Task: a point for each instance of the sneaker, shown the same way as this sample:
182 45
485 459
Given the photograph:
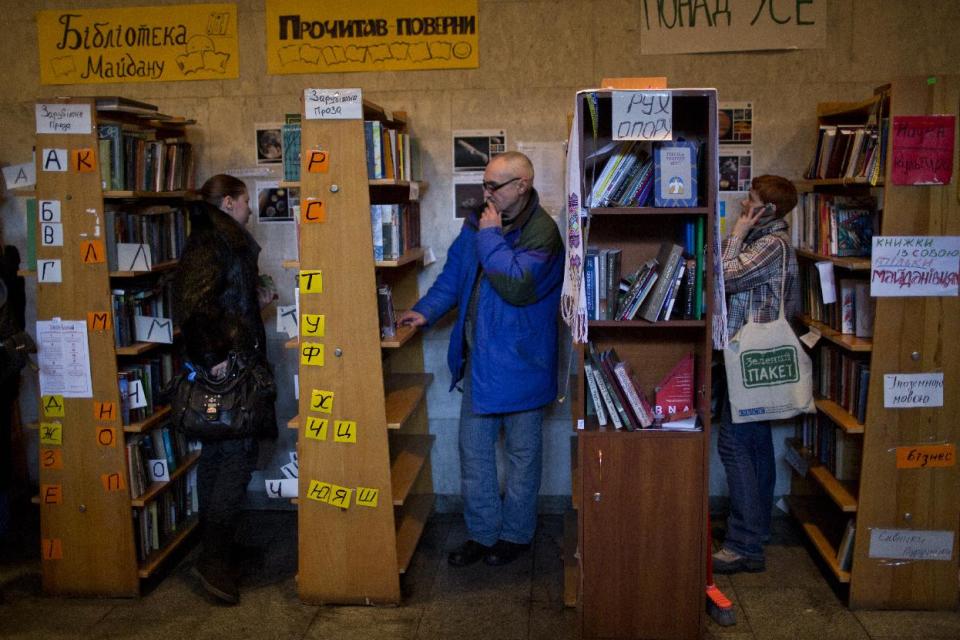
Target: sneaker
467 553
504 552
727 562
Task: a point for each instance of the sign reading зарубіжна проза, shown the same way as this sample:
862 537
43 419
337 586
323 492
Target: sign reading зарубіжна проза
377 35
138 44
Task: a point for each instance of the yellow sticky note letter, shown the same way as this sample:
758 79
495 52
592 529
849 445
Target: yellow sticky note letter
311 281
311 353
319 491
312 324
340 497
51 433
367 497
321 401
316 428
52 406
344 431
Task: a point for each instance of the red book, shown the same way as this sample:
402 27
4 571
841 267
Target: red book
674 394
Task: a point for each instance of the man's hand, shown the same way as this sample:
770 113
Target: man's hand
411 318
747 220
219 370
490 216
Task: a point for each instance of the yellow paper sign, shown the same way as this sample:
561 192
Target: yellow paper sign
316 428
378 35
311 353
344 431
926 456
52 406
51 549
319 491
321 401
340 497
311 281
367 497
51 458
312 324
51 433
138 44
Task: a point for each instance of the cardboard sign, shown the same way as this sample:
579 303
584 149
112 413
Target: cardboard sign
927 456
922 149
313 325
321 400
311 281
915 266
134 257
311 354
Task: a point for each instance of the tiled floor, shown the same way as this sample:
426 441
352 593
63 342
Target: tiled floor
792 600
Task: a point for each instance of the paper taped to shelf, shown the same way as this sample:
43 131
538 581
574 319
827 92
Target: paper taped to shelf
63 118
64 358
333 104
828 288
158 470
905 390
153 329
287 320
915 266
642 115
134 257
909 544
282 488
20 175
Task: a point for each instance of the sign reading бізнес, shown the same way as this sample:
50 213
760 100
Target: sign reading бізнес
378 35
687 26
138 44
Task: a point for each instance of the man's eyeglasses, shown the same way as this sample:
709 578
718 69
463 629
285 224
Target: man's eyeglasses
493 186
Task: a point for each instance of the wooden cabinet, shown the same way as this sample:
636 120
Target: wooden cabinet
352 551
642 495
910 335
90 514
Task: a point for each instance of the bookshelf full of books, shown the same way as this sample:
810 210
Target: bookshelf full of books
854 486
365 489
118 487
641 405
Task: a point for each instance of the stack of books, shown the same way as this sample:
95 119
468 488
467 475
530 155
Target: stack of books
626 179
391 154
396 229
145 301
388 317
161 519
842 378
164 444
849 151
132 158
827 444
164 229
835 225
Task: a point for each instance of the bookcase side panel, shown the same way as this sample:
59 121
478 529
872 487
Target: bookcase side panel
347 555
91 529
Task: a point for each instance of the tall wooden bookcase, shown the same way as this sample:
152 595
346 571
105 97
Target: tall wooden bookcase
911 335
88 543
352 551
641 496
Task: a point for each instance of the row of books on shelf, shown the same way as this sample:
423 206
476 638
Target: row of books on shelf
835 225
153 456
667 287
140 384
842 378
826 444
640 173
852 314
391 154
850 151
162 228
133 159
396 229
142 313
387 314
616 396
163 518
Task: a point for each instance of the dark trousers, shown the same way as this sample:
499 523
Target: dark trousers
223 474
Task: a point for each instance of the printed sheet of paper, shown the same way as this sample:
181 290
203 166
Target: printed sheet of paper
64 357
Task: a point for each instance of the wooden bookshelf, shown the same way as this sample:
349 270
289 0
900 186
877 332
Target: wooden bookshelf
649 211
409 257
159 416
169 265
404 335
843 262
838 415
814 529
142 195
408 453
404 394
157 488
410 525
156 559
846 341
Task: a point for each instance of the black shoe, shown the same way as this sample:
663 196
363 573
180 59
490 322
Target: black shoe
467 553
219 581
504 552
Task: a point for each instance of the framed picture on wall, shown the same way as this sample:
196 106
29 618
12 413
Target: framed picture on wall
269 143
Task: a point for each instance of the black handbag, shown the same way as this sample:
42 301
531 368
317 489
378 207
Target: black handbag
238 405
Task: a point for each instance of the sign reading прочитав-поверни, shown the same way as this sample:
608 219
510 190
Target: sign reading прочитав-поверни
138 44
377 35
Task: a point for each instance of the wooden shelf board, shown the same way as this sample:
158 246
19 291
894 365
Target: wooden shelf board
293 423
404 393
155 559
649 211
403 336
158 416
813 530
157 268
379 182
839 492
412 255
840 416
139 348
639 324
291 264
156 488
851 263
410 524
809 184
127 195
27 273
292 343
409 453
843 340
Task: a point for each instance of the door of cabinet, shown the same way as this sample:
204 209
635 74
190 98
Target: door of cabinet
642 534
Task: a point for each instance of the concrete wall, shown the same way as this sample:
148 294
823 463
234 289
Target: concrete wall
534 55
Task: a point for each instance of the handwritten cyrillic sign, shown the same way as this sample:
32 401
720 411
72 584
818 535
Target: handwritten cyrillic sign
915 266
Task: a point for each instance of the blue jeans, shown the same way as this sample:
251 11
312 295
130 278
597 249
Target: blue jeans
746 450
488 516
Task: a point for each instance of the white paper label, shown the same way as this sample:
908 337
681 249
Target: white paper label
282 488
151 329
63 118
915 266
158 470
20 175
828 288
642 115
907 544
134 257
49 211
904 390
811 338
333 104
51 234
136 396
291 470
54 160
287 321
49 271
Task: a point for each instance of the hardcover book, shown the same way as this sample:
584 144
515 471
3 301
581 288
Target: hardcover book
675 174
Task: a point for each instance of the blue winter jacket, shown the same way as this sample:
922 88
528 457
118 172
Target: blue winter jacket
514 356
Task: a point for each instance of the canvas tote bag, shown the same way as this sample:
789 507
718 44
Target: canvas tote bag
769 376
